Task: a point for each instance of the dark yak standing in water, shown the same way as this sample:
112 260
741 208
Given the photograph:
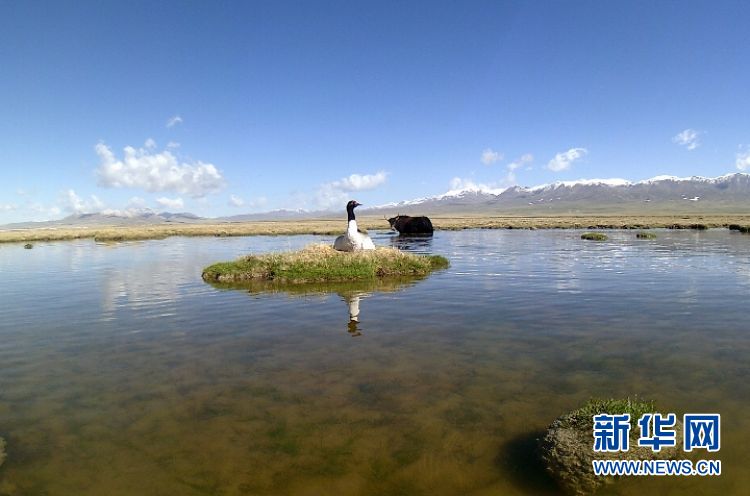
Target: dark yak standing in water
405 224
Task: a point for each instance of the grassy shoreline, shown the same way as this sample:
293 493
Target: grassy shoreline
336 226
321 263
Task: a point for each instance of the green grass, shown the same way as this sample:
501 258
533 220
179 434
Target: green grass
321 263
28 246
594 236
583 417
645 235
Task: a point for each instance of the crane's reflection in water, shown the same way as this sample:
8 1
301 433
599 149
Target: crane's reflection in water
352 301
351 292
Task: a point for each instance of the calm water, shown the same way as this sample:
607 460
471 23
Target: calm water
122 373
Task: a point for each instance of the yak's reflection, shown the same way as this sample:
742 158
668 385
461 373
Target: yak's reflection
419 243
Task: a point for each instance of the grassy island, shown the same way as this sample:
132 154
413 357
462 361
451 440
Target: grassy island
594 236
321 263
566 448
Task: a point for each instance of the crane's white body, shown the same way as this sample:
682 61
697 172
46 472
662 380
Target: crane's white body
353 240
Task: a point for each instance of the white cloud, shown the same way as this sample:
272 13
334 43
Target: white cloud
172 203
150 144
563 160
134 207
459 184
360 182
525 159
174 120
146 169
235 201
8 207
127 212
71 202
173 144
338 192
743 160
45 213
688 138
136 202
490 156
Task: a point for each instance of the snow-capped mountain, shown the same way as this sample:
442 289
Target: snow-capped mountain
658 194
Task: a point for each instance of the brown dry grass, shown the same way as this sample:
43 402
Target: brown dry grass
333 227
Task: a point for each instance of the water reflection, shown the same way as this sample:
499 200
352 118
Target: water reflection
350 292
124 373
352 301
420 243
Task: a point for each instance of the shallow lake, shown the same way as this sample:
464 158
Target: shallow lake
123 373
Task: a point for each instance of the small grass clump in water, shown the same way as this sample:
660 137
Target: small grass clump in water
318 263
594 236
566 448
645 235
28 246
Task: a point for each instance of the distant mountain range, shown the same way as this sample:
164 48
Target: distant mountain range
658 195
661 194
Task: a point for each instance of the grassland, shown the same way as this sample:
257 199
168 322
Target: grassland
319 262
337 226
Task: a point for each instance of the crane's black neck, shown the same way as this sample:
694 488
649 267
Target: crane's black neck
350 213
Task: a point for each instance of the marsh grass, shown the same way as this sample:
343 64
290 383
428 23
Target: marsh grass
594 236
319 263
645 235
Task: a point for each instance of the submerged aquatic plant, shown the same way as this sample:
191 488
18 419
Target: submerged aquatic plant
594 236
320 263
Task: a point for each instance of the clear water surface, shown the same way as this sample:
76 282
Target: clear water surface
123 373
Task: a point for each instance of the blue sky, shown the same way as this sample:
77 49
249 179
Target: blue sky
233 107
